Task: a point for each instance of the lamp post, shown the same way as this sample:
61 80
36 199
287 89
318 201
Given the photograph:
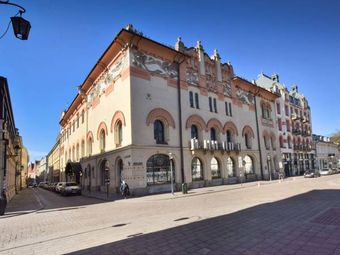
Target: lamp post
269 169
171 172
21 27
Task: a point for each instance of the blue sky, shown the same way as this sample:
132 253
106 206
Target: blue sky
299 40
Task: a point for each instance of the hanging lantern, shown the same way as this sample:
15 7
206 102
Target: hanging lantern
21 27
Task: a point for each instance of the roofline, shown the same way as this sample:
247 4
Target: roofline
255 85
107 49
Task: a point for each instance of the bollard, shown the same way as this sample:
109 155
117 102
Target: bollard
258 184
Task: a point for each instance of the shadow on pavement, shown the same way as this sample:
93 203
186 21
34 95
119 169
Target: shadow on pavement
41 201
302 224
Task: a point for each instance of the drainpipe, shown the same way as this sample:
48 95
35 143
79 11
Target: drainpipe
180 120
258 136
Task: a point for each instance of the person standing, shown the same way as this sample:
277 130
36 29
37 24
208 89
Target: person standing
124 189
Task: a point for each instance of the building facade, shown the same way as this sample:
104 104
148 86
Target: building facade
43 170
53 164
293 117
148 112
9 146
24 167
326 152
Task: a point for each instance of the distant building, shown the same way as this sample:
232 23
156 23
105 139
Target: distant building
53 164
24 167
32 171
326 152
43 169
293 117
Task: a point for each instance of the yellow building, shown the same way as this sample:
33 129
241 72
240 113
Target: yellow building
53 163
24 167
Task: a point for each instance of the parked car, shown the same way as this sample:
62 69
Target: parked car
311 174
43 185
325 171
68 188
58 186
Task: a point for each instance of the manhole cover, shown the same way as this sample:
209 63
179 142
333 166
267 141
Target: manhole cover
184 218
330 217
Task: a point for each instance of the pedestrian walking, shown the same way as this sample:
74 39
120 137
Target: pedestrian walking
124 189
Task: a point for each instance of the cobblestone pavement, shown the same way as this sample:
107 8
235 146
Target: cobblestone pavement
300 216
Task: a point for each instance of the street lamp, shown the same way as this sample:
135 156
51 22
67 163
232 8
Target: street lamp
171 172
269 169
21 27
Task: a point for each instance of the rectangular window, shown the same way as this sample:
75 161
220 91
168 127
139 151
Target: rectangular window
278 108
279 124
226 109
287 110
191 99
210 104
197 101
74 126
215 105
230 112
288 125
82 117
77 120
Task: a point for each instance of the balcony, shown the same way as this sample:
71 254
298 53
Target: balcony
211 145
296 132
294 116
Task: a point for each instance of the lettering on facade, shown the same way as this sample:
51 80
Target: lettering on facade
137 163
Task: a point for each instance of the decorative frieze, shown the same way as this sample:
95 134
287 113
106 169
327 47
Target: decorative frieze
245 97
153 65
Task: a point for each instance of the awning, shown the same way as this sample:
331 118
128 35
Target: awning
73 168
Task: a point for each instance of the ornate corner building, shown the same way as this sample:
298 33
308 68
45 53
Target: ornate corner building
147 112
293 116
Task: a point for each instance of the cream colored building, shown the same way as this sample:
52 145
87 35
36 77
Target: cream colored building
53 164
24 167
293 115
143 100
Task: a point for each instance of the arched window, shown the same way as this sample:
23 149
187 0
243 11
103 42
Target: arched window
197 169
158 131
194 132
82 148
266 142
215 168
247 139
118 133
158 169
213 134
230 137
273 142
289 142
102 140
281 141
89 147
248 165
77 153
231 168
104 172
73 154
